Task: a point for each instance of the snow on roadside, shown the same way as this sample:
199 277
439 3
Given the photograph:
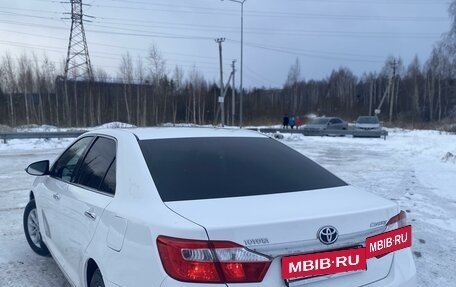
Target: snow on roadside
407 168
112 125
34 144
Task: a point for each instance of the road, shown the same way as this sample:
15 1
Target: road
19 266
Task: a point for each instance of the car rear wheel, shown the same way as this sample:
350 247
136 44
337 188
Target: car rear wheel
97 279
32 229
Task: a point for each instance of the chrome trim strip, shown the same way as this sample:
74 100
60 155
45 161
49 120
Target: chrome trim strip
314 245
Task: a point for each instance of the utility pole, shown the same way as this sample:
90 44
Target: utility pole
221 99
393 90
371 96
78 59
233 97
241 106
387 91
241 92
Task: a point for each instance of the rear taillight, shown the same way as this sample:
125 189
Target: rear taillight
202 261
397 221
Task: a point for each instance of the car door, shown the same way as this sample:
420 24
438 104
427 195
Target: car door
88 195
332 124
337 124
54 186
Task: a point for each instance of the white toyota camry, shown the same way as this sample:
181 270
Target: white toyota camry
201 207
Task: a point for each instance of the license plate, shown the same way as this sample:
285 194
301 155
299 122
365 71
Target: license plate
323 263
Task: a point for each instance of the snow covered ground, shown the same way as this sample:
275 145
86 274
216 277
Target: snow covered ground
413 168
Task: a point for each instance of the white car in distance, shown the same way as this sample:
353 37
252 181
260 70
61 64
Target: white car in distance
200 207
368 123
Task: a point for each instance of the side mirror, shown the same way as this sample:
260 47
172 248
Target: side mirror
38 168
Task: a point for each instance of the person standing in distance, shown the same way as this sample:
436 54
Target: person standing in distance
291 122
286 121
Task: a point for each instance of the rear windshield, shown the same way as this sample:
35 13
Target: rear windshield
368 120
204 168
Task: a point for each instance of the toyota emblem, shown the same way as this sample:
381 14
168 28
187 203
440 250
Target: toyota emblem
327 235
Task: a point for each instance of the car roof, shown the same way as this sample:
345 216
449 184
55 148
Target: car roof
183 132
327 118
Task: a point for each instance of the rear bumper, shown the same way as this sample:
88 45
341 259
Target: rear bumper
402 273
369 132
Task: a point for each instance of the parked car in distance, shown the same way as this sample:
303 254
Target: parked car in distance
185 207
324 125
368 126
367 123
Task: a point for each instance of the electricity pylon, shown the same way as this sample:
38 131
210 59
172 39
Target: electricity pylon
77 65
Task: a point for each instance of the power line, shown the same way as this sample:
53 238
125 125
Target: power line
302 16
296 50
310 55
144 34
100 55
269 14
292 51
30 10
253 31
260 76
291 32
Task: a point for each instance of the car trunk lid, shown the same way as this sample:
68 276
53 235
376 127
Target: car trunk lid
287 224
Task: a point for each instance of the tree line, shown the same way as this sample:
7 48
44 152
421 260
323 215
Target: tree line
145 91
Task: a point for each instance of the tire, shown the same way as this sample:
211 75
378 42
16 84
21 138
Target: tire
97 279
32 230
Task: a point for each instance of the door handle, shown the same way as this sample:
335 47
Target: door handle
56 196
90 214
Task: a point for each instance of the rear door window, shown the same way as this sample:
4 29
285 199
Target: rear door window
97 163
109 182
204 168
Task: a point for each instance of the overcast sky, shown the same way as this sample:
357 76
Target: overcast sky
323 34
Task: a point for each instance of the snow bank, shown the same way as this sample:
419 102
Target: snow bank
113 125
34 144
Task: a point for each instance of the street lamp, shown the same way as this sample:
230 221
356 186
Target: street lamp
241 98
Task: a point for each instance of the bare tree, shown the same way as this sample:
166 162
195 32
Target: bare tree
49 74
157 63
414 73
25 80
140 76
102 77
38 84
292 82
198 86
126 72
157 70
178 78
10 84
